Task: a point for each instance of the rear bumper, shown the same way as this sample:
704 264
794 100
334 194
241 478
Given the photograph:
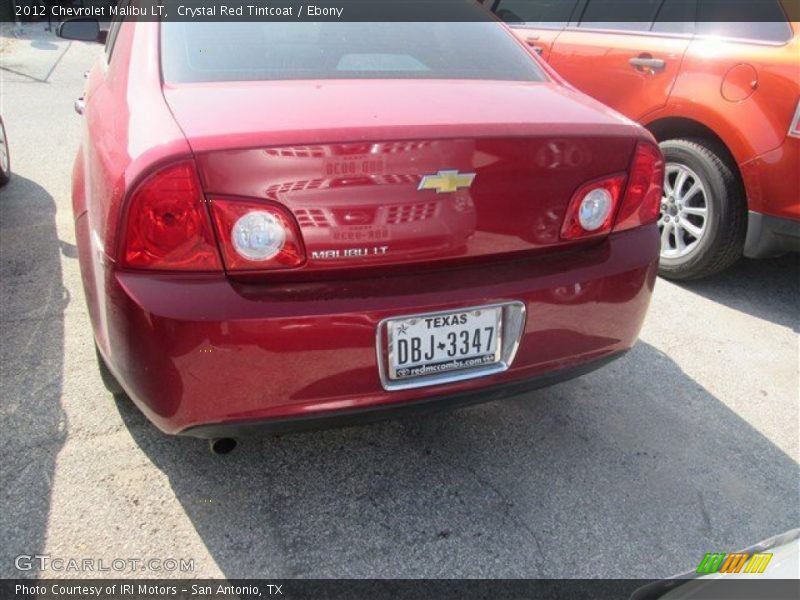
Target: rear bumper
200 354
372 414
769 236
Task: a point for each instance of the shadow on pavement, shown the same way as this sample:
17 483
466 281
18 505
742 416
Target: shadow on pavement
32 423
768 289
633 471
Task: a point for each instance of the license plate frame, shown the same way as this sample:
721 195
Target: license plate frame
510 323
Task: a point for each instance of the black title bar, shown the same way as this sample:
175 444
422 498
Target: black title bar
533 12
335 589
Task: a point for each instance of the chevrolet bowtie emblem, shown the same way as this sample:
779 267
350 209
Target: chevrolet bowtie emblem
446 181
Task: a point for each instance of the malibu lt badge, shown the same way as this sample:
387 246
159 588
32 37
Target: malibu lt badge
349 253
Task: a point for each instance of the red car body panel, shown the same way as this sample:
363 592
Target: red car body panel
193 349
743 91
716 87
768 176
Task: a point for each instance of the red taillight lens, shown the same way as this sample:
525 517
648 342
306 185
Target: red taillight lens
643 197
257 236
592 208
168 226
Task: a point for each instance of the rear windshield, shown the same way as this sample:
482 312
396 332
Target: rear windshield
197 51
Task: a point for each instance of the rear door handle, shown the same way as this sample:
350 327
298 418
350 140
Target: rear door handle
643 62
80 105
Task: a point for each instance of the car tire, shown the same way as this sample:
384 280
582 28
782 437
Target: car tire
5 163
700 246
109 381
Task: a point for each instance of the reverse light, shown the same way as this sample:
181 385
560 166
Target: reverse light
256 236
591 210
595 209
642 201
167 225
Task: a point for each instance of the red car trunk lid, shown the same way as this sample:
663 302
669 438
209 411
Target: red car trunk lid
470 170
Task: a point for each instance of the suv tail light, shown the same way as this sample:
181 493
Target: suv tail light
642 200
167 225
257 236
794 128
591 210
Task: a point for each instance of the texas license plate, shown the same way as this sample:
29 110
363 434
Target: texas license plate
438 343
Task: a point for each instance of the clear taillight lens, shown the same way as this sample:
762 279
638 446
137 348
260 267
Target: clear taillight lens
642 200
592 208
167 226
257 236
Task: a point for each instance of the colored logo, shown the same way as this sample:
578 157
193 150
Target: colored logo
737 562
446 181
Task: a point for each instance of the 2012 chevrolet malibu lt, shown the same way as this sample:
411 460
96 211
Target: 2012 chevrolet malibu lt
289 223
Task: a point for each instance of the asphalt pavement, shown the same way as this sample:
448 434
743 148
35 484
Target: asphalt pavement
687 445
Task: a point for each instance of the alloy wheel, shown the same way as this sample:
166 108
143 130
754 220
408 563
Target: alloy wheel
684 211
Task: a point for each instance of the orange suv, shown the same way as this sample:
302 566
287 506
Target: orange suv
717 82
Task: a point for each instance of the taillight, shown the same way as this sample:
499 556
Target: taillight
592 208
794 128
256 236
167 224
643 195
